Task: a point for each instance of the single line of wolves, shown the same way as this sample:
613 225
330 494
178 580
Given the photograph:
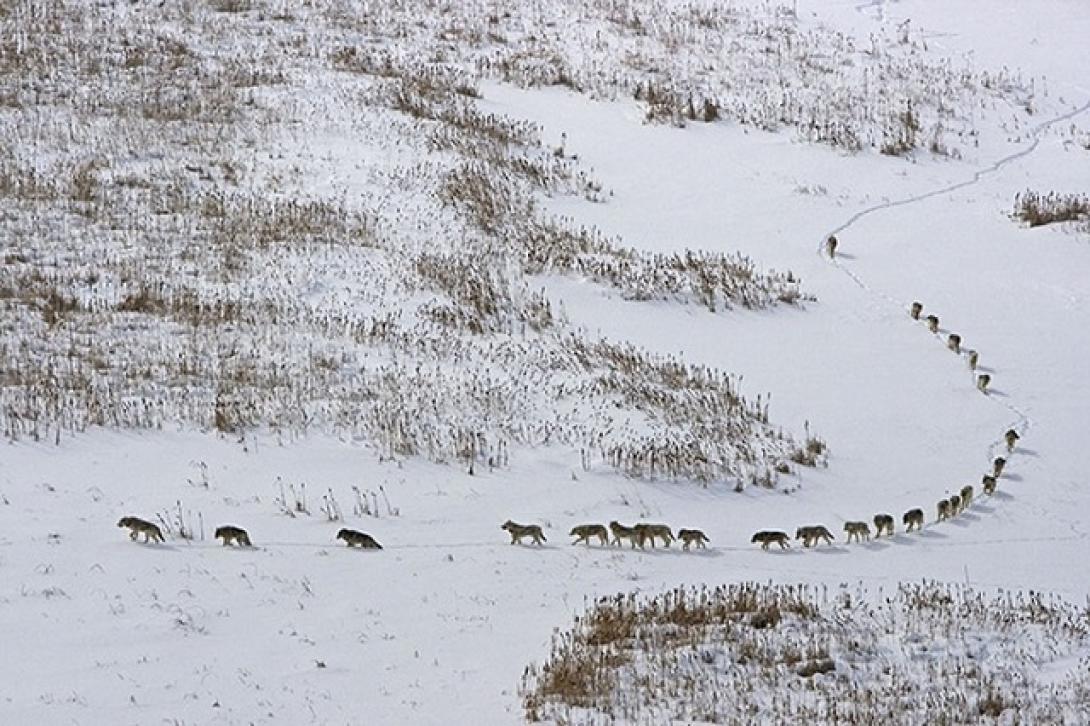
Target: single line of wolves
639 535
953 342
912 520
232 535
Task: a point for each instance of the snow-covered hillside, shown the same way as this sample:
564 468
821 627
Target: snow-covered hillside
422 268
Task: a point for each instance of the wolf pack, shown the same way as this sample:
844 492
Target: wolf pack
643 534
811 535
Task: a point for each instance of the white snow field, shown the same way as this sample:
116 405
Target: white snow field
439 625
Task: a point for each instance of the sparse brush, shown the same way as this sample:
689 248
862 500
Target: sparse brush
1038 209
180 523
157 271
330 508
723 654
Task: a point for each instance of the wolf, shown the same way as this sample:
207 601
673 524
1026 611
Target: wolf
810 535
648 532
883 523
953 342
982 382
997 466
988 482
916 310
944 509
584 532
1012 439
689 536
352 538
230 533
933 323
859 530
140 526
767 537
620 532
830 246
955 505
974 358
518 531
913 519
966 496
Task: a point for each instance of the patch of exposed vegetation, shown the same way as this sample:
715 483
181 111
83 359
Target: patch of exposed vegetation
1037 209
189 239
733 654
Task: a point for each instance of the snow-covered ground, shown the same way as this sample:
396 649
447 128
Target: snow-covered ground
439 625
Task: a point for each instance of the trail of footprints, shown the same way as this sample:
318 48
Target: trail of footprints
642 534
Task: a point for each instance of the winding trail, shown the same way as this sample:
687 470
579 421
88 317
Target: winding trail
1022 422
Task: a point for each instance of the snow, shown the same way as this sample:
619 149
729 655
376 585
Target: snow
438 626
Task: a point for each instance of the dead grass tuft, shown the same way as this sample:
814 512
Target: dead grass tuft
1038 209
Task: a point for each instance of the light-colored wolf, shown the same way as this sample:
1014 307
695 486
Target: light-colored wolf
691 536
584 532
141 526
647 533
518 531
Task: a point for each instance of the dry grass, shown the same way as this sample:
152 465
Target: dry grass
926 653
1038 209
166 260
